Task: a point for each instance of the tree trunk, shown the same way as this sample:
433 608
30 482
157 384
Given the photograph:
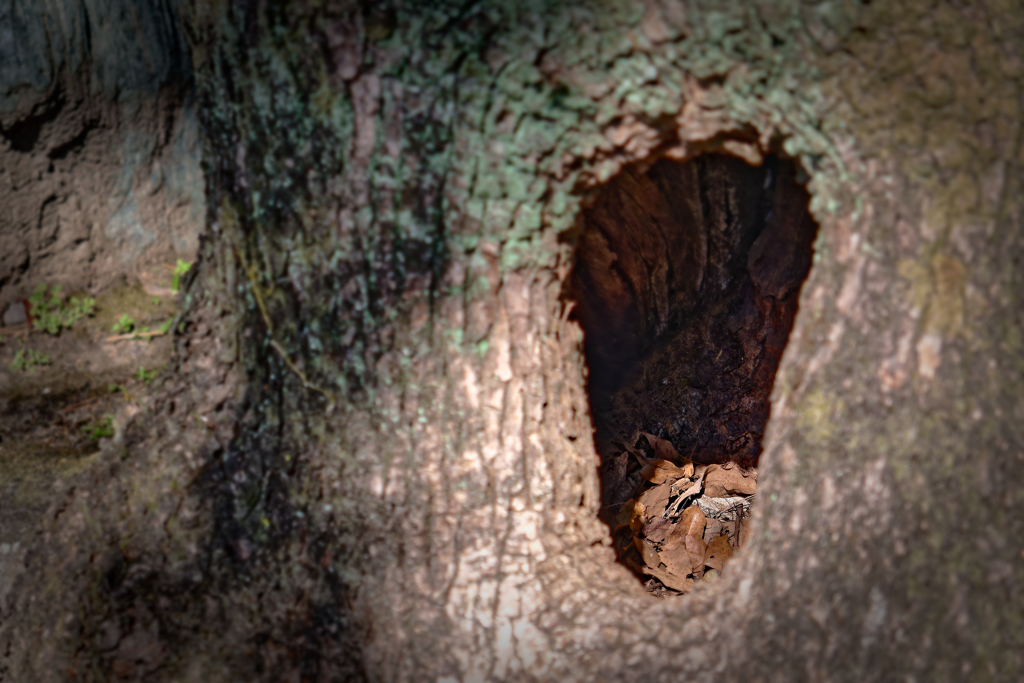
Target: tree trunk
375 459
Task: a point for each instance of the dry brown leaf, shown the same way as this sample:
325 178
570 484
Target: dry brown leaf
673 581
647 552
634 452
660 471
673 539
663 450
676 560
692 522
728 479
696 548
655 500
636 521
691 528
625 514
693 490
718 553
728 509
657 530
682 499
716 528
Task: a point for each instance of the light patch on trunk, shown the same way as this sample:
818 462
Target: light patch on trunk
787 457
500 340
376 484
893 371
796 519
495 398
471 386
850 291
828 492
492 592
929 355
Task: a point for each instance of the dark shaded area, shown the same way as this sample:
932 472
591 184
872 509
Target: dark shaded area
686 282
24 134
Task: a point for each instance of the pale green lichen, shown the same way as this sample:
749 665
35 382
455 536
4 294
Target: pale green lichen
820 413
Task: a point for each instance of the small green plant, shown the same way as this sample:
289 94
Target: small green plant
166 327
180 269
51 314
27 360
147 376
102 428
124 325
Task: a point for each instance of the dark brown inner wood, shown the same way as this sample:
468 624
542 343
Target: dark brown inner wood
686 284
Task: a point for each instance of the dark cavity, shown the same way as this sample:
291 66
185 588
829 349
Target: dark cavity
686 283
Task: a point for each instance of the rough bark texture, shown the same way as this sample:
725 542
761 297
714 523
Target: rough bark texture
99 148
376 460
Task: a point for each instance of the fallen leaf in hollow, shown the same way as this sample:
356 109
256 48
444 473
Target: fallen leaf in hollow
679 583
676 560
663 450
684 548
715 528
722 481
674 538
691 528
635 453
693 490
657 529
647 552
696 548
718 553
660 471
655 500
692 522
636 521
728 509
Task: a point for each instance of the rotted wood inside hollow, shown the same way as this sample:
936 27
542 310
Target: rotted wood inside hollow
686 281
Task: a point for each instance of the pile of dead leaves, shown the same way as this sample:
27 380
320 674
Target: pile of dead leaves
686 519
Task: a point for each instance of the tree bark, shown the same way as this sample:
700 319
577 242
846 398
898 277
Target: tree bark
375 460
